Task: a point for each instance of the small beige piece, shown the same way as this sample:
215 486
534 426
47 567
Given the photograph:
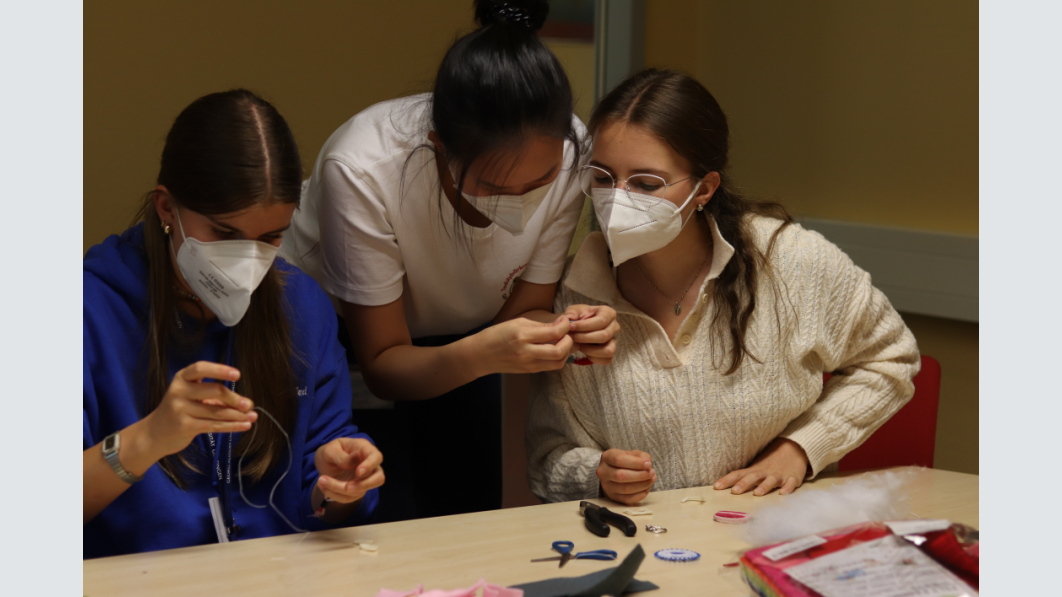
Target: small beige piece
637 511
695 498
368 546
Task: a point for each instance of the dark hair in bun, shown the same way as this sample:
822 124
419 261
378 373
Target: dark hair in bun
529 14
500 84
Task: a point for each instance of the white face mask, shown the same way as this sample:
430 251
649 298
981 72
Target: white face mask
509 212
636 224
224 273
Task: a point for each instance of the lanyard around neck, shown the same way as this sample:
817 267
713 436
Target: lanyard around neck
222 480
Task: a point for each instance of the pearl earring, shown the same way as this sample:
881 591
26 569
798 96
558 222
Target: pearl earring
700 207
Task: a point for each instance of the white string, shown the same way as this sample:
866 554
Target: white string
291 461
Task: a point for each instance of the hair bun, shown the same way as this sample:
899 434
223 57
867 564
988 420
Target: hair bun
529 14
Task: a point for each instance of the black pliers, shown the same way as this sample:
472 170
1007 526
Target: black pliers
598 518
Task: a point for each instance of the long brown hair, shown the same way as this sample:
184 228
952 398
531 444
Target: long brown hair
226 152
679 110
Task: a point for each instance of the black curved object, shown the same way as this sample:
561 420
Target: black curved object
598 519
619 521
594 524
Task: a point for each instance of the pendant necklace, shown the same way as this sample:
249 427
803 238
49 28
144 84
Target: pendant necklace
678 303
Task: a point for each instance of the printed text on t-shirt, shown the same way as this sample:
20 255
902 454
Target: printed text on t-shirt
507 287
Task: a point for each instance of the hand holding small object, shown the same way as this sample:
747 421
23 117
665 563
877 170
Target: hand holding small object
782 463
593 331
626 476
192 406
524 346
349 468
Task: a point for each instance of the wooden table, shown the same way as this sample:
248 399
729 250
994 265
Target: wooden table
455 551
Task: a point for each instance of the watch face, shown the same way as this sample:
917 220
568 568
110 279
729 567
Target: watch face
108 444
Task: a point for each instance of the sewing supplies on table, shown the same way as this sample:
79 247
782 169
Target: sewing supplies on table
618 580
652 528
730 517
597 519
677 555
871 558
564 548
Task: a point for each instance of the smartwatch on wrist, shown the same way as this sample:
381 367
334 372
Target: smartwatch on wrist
110 454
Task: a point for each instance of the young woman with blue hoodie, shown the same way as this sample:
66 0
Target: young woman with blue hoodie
212 369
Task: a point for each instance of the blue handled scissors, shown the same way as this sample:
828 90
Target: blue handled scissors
564 548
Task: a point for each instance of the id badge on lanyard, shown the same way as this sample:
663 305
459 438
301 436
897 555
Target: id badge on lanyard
221 506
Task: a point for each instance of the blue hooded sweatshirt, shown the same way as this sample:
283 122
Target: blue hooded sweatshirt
154 513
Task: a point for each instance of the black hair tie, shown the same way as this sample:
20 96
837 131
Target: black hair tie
513 14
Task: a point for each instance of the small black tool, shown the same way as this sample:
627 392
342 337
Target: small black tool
598 519
594 524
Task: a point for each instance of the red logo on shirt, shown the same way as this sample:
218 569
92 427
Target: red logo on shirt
507 287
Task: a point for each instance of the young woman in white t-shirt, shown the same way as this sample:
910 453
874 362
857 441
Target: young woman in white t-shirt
440 223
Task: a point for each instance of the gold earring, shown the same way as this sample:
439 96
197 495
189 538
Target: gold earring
165 228
700 207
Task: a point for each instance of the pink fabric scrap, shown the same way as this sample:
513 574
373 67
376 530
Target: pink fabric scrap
489 590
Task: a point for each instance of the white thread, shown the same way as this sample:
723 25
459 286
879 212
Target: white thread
638 512
291 461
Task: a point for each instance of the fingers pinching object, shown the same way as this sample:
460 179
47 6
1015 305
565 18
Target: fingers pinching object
730 517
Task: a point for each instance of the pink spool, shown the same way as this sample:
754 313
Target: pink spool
730 517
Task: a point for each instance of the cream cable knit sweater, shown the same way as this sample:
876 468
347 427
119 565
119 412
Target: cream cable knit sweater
670 400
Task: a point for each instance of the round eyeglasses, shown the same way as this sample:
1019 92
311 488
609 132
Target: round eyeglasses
596 180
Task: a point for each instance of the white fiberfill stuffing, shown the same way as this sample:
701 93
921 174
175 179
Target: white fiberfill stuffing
868 497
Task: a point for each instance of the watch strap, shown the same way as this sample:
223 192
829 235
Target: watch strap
110 454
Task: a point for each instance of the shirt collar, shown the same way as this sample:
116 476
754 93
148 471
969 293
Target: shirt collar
593 276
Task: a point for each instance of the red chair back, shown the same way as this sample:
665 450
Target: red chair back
909 437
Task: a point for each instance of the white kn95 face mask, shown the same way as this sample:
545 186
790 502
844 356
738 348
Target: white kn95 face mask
636 224
224 273
509 212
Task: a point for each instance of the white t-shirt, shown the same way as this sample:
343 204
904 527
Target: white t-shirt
373 226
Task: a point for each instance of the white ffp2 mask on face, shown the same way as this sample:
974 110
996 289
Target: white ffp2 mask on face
510 212
224 273
636 224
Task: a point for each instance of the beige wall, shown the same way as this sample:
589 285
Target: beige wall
318 62
578 61
857 111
